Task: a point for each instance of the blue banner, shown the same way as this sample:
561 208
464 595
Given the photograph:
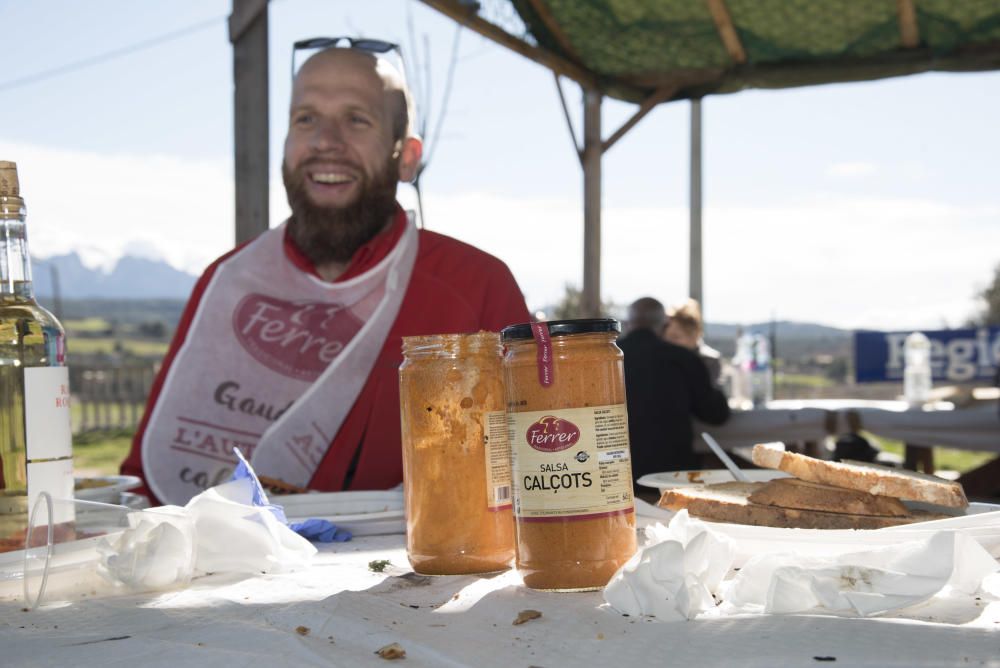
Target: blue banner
957 355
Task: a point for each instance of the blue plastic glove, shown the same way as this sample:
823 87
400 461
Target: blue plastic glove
320 531
315 530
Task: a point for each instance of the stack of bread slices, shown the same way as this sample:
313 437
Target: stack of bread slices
819 495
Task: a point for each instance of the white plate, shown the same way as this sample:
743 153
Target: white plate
111 489
671 479
364 513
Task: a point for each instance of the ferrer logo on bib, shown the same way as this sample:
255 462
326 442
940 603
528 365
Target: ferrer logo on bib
295 339
552 434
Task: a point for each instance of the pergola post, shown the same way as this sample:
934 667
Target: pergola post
248 35
591 159
694 265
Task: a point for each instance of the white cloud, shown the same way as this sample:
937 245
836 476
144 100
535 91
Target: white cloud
851 169
872 263
77 200
865 263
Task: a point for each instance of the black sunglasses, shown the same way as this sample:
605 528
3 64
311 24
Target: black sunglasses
374 46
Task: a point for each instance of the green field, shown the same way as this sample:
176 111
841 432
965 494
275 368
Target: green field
86 325
100 336
101 452
788 380
945 459
110 345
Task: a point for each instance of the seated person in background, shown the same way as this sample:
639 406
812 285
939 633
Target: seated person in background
666 385
289 346
685 328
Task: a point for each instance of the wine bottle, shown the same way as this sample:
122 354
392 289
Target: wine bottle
36 452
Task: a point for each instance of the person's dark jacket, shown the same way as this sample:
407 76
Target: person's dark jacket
666 385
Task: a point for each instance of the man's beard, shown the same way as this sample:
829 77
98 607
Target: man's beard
327 234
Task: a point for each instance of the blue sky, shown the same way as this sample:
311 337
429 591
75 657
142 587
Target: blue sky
860 205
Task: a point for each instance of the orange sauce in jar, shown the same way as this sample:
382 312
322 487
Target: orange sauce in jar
456 458
571 468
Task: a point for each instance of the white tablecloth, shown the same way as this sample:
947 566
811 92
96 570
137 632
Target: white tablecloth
338 613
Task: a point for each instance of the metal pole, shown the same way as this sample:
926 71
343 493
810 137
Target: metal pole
695 269
591 203
248 35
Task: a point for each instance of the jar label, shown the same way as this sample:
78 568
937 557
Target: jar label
570 462
497 446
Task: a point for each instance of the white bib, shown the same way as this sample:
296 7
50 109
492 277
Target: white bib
272 363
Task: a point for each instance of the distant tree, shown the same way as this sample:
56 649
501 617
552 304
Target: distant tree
153 329
990 296
571 305
837 370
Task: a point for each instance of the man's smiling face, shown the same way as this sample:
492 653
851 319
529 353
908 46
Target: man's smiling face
340 134
346 150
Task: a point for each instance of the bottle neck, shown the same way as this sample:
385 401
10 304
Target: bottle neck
15 263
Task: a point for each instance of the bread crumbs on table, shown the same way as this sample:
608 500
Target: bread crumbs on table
392 651
526 616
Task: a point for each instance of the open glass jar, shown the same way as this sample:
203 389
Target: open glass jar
456 458
571 468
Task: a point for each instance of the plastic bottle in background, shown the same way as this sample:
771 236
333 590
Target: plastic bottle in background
917 368
741 369
762 374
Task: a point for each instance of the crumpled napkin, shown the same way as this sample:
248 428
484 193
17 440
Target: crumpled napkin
156 551
235 536
220 530
685 568
313 529
675 575
864 583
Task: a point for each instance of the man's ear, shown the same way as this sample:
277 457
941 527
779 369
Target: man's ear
410 152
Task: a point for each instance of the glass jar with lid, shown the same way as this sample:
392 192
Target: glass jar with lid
456 458
571 464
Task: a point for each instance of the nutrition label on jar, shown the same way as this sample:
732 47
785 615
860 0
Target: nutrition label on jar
498 487
570 462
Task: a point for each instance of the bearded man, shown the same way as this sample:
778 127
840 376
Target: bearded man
289 346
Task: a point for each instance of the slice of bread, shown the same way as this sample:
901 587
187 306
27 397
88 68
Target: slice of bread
795 493
729 502
863 477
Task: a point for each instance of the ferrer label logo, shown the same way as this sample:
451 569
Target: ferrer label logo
552 434
296 339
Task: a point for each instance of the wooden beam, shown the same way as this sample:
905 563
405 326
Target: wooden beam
727 31
248 35
554 28
660 95
695 250
909 32
591 297
569 121
465 15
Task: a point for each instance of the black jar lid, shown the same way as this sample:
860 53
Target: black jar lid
562 328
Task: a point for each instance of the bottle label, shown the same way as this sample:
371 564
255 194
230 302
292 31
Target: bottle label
571 463
497 447
56 478
46 413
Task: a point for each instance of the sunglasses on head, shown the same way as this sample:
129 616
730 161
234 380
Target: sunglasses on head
373 46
